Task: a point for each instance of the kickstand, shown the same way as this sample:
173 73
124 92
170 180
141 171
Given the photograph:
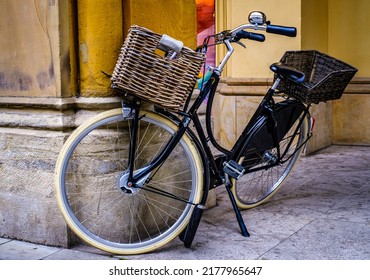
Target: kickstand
239 217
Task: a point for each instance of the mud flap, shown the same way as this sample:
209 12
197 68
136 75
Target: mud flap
187 236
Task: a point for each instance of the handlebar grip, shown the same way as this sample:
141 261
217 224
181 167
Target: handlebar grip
282 30
249 35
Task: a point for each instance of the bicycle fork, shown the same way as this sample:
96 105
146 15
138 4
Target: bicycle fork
137 178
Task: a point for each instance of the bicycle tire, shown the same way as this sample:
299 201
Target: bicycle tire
255 188
92 164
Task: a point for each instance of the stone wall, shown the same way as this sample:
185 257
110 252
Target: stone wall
31 135
51 57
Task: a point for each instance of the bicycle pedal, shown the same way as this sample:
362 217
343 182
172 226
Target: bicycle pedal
234 169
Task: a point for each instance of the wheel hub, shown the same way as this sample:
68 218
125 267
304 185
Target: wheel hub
130 188
269 158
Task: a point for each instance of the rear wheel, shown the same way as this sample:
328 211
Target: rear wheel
92 190
262 180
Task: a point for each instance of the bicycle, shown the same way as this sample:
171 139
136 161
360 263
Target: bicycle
132 179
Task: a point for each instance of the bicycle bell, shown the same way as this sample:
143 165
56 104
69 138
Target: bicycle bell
257 18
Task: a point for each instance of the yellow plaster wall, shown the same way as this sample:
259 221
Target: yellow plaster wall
314 31
100 38
102 26
349 41
59 48
315 25
68 48
29 46
336 27
339 28
175 18
349 38
247 73
256 59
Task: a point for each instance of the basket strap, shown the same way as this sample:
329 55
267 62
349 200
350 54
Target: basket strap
168 43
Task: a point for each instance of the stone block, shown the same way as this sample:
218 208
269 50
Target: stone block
28 207
351 119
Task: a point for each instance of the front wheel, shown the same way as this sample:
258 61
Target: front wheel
263 179
91 171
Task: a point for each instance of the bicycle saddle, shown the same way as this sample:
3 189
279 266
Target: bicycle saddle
288 72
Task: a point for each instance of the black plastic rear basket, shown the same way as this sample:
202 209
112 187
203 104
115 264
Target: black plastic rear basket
326 77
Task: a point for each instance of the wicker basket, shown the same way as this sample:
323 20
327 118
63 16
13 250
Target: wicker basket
160 80
326 77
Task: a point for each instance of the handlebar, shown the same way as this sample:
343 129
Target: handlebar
257 21
269 28
249 35
281 30
239 33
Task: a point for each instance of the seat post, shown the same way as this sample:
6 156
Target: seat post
276 83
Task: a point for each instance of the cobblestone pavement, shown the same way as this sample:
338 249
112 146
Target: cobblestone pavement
322 212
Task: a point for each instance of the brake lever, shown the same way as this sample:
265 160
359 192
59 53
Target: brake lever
241 44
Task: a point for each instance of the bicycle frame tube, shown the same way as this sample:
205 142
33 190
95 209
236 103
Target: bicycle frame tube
211 137
309 134
209 90
280 161
134 178
191 115
266 117
264 111
133 136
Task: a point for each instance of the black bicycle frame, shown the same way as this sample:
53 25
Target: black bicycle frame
183 124
265 113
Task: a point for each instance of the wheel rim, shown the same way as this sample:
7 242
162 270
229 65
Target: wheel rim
136 234
255 188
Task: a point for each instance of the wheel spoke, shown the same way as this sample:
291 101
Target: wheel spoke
92 178
262 180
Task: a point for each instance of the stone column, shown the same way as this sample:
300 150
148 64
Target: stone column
51 57
35 72
49 51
